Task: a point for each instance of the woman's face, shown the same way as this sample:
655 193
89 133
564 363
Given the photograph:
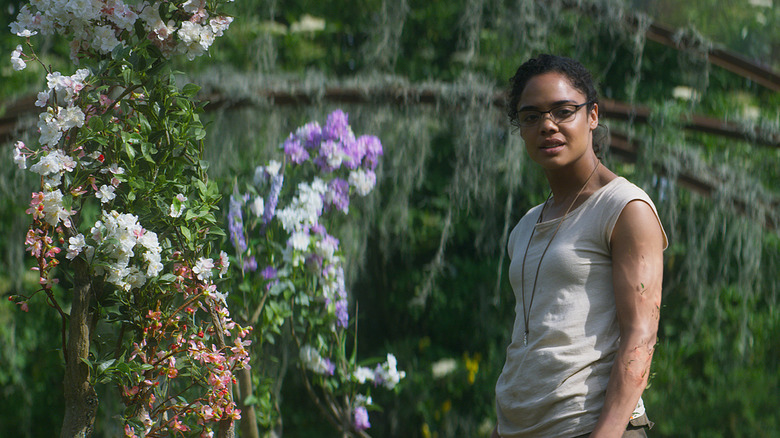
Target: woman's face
563 144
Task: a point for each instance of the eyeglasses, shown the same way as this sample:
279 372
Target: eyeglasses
559 114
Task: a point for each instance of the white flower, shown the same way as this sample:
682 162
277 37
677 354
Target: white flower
326 248
257 207
219 25
363 400
104 39
53 209
54 162
224 263
71 117
363 374
300 241
17 62
308 24
273 167
362 180
153 263
20 159
313 361
387 373
443 367
43 98
24 21
134 278
176 211
50 128
76 245
117 170
105 194
203 268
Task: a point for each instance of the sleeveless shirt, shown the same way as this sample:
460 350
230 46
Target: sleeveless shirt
555 386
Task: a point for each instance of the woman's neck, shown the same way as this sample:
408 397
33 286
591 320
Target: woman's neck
565 183
571 187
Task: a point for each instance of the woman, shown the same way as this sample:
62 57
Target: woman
586 269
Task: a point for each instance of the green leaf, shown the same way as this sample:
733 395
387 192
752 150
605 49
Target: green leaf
104 365
168 278
190 90
96 123
186 232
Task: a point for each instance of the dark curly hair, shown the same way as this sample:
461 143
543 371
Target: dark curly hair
579 77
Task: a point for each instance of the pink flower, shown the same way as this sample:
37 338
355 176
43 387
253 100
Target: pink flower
130 431
361 418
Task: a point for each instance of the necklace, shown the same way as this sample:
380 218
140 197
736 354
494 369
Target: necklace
527 315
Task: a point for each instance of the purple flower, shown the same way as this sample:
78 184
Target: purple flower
269 273
310 135
338 194
295 150
361 418
250 264
330 157
341 312
337 126
354 151
236 224
318 229
273 198
373 151
329 366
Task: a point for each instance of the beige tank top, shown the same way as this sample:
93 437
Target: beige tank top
555 385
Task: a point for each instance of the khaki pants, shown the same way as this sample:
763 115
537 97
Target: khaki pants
636 428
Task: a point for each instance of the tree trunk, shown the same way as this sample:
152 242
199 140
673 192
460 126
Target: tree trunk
248 416
80 398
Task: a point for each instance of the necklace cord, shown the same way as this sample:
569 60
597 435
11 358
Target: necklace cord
527 316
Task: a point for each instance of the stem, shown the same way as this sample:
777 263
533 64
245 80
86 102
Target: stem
259 309
81 401
248 416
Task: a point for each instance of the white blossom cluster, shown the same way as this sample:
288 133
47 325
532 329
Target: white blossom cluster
313 361
305 208
386 374
117 238
52 166
48 204
363 181
99 24
195 36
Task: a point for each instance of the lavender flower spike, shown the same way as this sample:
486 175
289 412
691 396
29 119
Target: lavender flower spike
273 198
236 224
361 418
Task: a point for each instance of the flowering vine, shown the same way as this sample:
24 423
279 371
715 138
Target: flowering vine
291 267
125 216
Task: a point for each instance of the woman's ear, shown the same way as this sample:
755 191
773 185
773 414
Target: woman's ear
593 117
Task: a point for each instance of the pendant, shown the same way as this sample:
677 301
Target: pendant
525 338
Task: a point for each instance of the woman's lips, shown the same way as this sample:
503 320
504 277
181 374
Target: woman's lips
551 146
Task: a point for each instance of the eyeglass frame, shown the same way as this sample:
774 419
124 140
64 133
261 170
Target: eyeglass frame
552 118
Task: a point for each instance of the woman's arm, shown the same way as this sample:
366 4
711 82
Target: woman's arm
637 264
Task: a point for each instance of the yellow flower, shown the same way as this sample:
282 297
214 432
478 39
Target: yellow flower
472 365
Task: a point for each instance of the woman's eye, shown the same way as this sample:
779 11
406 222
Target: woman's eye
562 113
529 118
